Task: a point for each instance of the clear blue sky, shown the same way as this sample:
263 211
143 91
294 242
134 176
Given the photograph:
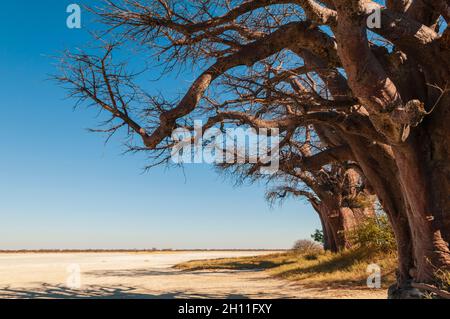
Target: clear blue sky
62 187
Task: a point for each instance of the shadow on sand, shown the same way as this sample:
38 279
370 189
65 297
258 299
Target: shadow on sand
62 292
156 272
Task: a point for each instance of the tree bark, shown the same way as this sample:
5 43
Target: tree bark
329 243
424 171
339 219
379 166
420 145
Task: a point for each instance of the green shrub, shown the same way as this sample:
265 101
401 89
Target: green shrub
318 236
375 232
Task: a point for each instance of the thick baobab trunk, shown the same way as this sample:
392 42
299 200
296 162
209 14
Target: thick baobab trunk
334 228
378 164
424 170
402 186
342 203
424 167
325 231
346 219
329 241
379 168
338 221
420 148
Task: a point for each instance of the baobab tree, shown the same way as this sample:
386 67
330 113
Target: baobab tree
383 92
337 192
337 197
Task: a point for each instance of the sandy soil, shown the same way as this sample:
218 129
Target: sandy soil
145 275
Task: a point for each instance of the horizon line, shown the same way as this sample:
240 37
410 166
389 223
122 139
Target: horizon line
129 250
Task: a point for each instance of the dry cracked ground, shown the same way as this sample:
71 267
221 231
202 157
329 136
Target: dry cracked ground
148 276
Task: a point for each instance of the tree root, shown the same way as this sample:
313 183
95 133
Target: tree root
441 293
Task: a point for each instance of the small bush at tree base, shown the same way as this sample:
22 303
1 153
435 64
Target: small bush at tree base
375 232
307 247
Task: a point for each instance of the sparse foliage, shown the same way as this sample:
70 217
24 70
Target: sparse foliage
306 247
375 232
318 236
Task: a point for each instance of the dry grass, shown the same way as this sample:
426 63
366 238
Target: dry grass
444 278
346 269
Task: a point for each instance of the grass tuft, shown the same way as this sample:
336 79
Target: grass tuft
345 269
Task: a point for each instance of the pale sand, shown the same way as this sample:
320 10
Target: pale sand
147 275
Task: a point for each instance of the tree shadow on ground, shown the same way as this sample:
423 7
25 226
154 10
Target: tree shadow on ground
238 266
337 263
46 291
153 272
